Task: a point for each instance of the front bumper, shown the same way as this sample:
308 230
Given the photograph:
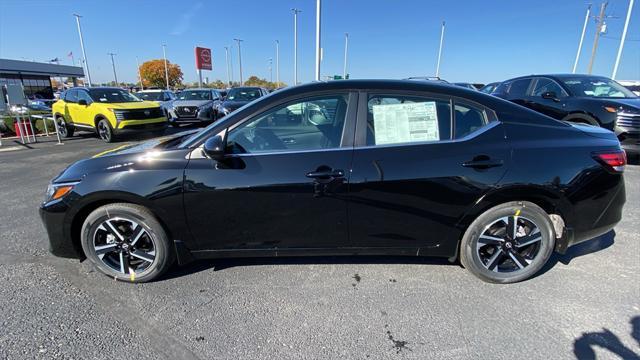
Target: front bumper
141 125
53 215
201 116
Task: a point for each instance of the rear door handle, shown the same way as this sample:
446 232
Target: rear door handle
483 164
325 174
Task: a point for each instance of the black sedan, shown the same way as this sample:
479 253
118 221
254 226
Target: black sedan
587 99
352 167
237 98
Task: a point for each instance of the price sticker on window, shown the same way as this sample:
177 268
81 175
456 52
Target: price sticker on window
402 123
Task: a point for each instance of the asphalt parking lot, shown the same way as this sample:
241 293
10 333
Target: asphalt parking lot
584 304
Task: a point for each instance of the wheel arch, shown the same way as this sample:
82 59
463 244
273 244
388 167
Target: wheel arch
99 117
94 201
586 117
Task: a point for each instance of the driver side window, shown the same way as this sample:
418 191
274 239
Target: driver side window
309 124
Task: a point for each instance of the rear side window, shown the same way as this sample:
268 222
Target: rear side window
397 119
467 120
514 89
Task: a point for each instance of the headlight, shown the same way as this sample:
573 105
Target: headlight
58 191
225 110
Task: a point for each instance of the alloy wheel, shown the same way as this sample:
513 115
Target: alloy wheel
103 131
124 245
62 127
509 244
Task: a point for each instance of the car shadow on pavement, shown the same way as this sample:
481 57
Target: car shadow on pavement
588 247
222 264
583 347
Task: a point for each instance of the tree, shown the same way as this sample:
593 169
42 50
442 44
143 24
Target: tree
153 74
256 81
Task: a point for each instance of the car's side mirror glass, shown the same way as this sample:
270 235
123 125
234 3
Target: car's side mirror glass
550 95
82 102
213 147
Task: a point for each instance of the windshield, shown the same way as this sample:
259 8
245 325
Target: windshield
194 95
151 95
239 94
112 96
597 87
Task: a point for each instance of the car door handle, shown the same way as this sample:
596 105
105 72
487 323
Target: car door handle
325 174
483 163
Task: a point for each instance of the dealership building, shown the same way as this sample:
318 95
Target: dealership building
35 76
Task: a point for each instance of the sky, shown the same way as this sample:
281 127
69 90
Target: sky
485 41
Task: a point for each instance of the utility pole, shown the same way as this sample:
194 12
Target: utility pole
113 65
440 50
84 54
624 37
346 46
166 67
277 63
295 45
139 74
318 37
240 58
584 29
226 59
599 23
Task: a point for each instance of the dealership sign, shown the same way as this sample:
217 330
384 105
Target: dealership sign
204 59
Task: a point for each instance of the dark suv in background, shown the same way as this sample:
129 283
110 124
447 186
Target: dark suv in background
594 100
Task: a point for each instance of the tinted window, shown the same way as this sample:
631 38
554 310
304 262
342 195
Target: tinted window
518 88
309 124
112 96
150 95
394 119
72 96
467 120
195 95
544 85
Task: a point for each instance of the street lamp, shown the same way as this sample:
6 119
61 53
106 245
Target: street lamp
113 65
346 47
239 58
270 70
166 68
278 63
295 45
318 45
84 54
226 59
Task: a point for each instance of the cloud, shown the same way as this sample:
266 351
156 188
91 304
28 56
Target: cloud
183 24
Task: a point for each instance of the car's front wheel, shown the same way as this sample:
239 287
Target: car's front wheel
105 132
126 242
508 243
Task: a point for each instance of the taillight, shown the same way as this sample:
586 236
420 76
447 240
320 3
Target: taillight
613 160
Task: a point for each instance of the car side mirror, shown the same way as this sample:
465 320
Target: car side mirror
213 148
550 95
82 102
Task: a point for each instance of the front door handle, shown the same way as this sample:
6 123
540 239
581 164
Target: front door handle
483 162
325 174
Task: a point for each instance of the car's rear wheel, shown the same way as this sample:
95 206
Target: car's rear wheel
105 132
65 130
508 243
126 242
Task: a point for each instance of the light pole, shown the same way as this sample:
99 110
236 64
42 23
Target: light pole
295 45
346 47
318 45
277 63
599 23
440 50
584 29
226 59
139 74
166 67
239 58
270 70
113 65
624 36
84 54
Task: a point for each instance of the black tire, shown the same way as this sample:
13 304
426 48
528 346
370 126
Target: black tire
581 119
133 250
65 130
104 131
508 260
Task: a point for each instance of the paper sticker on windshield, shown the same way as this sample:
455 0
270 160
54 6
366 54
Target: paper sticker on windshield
401 123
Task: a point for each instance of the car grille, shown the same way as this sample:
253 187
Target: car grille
629 120
139 114
187 111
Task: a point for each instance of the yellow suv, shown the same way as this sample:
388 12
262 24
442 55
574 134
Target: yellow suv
107 111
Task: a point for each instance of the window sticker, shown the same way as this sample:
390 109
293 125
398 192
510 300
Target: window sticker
401 123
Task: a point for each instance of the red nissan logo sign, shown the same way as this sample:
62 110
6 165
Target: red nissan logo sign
203 59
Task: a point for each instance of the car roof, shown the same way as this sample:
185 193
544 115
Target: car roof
381 84
558 76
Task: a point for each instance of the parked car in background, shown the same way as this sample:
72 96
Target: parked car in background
334 168
466 85
194 106
489 88
238 97
632 85
427 78
106 111
164 98
588 99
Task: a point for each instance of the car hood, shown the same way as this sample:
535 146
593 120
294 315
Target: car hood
232 105
632 102
191 102
123 157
